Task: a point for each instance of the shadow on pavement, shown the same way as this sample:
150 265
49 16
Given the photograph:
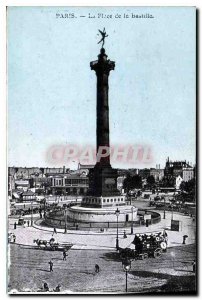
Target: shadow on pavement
175 283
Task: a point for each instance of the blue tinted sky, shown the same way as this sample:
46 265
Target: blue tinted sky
52 91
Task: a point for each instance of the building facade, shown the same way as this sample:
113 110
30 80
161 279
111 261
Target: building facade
69 184
179 168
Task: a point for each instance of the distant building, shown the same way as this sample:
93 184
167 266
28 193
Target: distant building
32 172
23 172
179 168
28 196
22 184
69 184
157 173
11 183
52 171
187 173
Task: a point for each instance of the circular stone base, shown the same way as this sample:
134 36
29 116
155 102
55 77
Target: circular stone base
90 214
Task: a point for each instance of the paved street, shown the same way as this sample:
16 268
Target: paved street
29 267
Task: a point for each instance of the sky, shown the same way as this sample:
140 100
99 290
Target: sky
52 91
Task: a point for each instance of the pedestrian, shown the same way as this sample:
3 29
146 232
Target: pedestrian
14 238
57 289
184 239
64 255
194 266
97 269
28 223
55 231
51 265
45 287
15 225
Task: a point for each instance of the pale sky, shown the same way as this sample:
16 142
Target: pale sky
52 91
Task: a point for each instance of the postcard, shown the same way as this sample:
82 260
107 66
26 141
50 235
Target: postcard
101 150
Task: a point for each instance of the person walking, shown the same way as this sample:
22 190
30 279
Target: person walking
15 225
55 231
97 269
64 255
28 223
51 265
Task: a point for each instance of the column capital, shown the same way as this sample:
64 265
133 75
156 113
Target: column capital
102 65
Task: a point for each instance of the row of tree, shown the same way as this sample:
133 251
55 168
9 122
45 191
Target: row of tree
135 182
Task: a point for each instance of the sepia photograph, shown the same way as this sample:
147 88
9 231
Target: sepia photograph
101 150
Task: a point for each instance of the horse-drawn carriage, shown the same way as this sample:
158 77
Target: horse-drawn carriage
52 245
145 245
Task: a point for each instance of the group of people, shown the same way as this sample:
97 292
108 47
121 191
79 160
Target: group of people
64 258
11 238
46 288
26 223
153 238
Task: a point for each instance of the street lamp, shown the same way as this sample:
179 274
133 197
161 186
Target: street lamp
117 212
126 264
32 212
172 212
132 221
44 208
164 212
65 220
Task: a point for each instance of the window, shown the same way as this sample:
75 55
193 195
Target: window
121 199
107 200
114 199
111 200
103 200
67 181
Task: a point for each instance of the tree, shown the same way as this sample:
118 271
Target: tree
132 182
168 181
188 186
151 181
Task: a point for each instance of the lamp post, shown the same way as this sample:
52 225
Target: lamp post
65 220
44 208
126 264
32 212
172 212
164 212
117 212
132 221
